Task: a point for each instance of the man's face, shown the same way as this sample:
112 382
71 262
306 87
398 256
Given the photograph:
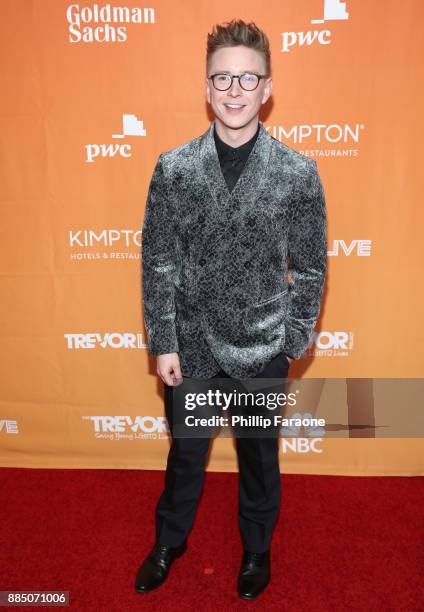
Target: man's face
236 107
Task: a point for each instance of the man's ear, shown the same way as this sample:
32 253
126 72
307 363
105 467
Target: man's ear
267 89
207 90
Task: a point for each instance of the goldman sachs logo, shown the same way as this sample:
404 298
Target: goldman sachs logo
104 24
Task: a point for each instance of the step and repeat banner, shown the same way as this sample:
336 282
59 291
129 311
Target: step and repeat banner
92 93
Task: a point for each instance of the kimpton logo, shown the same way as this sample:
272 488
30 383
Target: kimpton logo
104 237
105 243
333 10
334 139
331 133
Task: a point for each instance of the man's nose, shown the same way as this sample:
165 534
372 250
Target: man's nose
235 89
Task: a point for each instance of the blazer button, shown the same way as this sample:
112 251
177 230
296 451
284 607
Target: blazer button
202 261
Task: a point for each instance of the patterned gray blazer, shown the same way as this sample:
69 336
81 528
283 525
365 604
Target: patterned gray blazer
214 271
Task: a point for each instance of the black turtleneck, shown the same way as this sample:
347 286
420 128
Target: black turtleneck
233 159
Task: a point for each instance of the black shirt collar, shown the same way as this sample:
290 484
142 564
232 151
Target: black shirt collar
242 151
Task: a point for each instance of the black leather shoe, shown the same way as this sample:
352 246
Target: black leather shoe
254 575
155 568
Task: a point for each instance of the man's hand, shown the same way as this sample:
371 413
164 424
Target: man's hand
168 368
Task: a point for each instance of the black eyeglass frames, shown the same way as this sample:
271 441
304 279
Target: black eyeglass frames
248 80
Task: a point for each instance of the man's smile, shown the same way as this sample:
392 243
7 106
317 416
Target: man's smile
234 107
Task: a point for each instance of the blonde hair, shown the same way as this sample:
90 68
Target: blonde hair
238 32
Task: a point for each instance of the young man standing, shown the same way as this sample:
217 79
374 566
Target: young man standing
224 211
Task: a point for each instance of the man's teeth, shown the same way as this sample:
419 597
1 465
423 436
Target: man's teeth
235 105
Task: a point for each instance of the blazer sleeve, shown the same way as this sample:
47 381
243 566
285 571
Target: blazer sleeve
307 245
159 266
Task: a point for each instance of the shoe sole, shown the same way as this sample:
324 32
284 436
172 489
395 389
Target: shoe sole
137 590
250 597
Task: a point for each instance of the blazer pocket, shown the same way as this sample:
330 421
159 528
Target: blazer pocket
270 299
267 315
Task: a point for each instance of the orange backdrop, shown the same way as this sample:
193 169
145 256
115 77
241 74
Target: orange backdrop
91 94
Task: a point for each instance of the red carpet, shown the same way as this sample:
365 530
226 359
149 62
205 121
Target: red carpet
342 543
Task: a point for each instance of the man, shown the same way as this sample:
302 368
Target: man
223 212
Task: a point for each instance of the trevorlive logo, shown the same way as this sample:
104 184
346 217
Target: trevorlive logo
122 424
360 248
9 426
333 10
337 343
107 340
102 24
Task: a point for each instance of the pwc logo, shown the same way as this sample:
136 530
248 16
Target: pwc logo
333 10
131 126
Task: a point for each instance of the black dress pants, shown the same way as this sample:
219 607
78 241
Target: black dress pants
259 485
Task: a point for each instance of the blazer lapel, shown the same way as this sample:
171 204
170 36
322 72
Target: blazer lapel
224 207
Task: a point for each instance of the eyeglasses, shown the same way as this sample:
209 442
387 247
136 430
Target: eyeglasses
248 80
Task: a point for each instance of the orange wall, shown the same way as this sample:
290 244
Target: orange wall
64 175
